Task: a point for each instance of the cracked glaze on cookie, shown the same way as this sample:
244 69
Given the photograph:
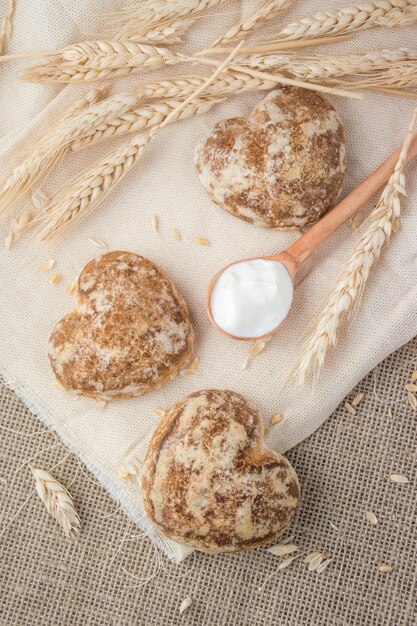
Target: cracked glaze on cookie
130 333
282 166
209 482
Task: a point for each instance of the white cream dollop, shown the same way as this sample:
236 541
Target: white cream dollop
251 298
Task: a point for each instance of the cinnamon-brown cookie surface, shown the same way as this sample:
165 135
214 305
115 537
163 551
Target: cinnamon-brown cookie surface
282 166
130 333
209 482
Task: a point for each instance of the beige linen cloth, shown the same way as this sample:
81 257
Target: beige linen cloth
164 183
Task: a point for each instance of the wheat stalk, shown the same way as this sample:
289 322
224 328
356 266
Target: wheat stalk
6 25
57 501
268 10
230 82
90 188
321 67
94 60
349 286
143 118
51 145
340 20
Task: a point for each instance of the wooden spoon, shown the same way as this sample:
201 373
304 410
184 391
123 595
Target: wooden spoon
293 257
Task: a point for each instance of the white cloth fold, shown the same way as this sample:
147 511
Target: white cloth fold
164 183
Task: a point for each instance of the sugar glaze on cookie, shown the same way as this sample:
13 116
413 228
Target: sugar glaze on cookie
208 481
282 166
130 333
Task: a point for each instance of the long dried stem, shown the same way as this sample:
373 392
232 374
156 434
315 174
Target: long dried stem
349 286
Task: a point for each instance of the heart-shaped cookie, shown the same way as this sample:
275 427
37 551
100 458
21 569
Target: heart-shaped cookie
282 166
208 481
130 333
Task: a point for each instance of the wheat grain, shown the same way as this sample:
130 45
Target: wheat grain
347 19
371 517
55 279
185 604
46 266
57 501
94 60
81 116
385 568
349 286
226 83
268 10
282 549
6 25
140 119
400 479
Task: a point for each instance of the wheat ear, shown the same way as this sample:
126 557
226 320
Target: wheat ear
227 83
88 190
57 501
166 34
94 60
349 286
341 20
6 25
268 10
155 12
143 118
325 66
50 147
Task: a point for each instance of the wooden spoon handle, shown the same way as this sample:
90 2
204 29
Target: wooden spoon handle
301 249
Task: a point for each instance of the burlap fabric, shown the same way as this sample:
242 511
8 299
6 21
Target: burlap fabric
344 469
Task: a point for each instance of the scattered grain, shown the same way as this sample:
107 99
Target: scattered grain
160 413
282 549
245 363
357 399
187 602
385 568
257 348
411 387
127 471
349 408
286 562
311 556
414 376
315 562
99 243
155 223
202 241
191 369
47 265
323 566
412 400
400 479
372 518
357 220
176 234
101 404
277 418
70 287
55 279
